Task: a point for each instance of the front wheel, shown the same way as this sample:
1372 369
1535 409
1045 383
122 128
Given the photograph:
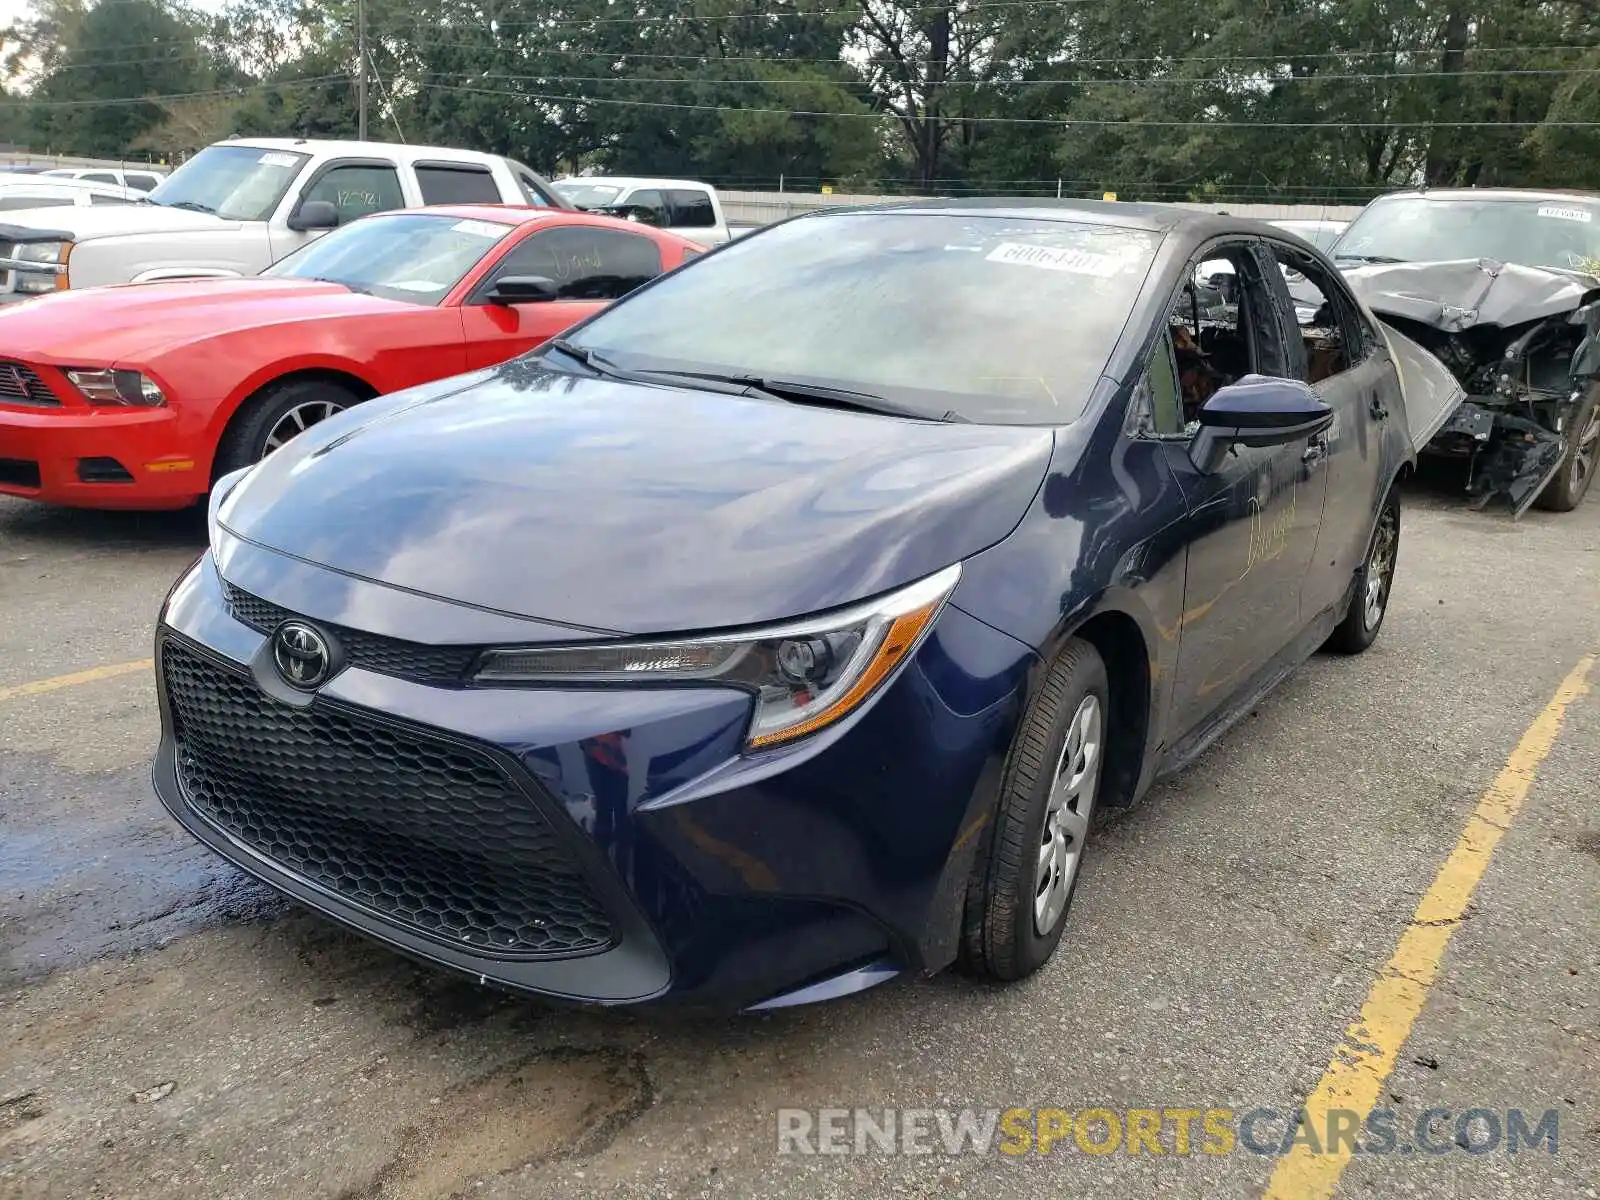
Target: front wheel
1571 483
1022 888
276 415
1374 581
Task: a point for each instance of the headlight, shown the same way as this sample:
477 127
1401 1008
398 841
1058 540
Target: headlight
51 274
49 253
104 386
805 675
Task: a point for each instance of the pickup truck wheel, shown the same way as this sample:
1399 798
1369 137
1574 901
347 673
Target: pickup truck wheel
1369 603
1023 883
274 416
1571 483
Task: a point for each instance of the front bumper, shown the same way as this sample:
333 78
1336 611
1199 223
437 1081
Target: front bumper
722 881
71 455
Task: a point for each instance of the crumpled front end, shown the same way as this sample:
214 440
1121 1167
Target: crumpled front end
1524 342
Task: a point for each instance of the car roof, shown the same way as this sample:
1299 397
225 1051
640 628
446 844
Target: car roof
343 149
1152 218
504 214
63 184
633 181
1523 194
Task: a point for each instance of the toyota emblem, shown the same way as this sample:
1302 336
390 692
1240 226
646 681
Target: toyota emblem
302 655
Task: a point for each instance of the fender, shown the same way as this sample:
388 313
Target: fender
299 364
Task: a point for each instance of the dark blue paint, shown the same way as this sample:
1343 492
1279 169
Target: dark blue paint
537 506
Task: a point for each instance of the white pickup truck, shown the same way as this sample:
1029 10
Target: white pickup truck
689 208
240 205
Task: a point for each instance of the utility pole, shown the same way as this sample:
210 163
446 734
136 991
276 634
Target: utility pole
361 70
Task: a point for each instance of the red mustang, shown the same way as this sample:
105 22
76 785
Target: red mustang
139 396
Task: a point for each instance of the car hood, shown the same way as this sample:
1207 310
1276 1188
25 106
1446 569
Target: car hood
109 220
1453 296
634 509
122 323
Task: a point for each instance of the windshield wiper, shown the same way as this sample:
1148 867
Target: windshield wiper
190 205
1366 258
808 393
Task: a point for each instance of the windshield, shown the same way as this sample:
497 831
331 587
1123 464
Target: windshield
1320 234
413 257
240 183
1537 233
994 319
591 195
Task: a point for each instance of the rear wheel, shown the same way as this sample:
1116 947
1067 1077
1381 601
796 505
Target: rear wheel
1374 580
1571 483
1022 888
275 416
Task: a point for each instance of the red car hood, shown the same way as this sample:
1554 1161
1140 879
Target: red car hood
116 324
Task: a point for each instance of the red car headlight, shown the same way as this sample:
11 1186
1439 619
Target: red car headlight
105 386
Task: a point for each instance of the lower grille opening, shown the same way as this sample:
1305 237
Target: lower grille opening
102 470
426 833
19 472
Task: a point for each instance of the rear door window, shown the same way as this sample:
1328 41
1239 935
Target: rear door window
11 202
690 209
457 185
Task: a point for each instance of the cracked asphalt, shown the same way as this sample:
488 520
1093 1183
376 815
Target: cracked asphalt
170 1029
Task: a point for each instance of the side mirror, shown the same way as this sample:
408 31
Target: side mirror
1258 410
314 214
522 289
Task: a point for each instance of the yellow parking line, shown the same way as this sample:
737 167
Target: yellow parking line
1362 1062
92 675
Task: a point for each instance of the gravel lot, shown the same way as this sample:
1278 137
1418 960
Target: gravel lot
169 1029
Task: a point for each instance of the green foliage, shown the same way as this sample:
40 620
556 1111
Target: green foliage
1287 99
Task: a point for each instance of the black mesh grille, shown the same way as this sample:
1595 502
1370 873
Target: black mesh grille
429 834
20 384
439 666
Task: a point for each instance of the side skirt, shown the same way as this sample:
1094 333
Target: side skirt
1284 664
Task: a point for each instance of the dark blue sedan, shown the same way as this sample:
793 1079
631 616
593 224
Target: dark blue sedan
781 629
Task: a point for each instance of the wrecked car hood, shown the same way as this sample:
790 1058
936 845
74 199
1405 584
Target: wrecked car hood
1453 296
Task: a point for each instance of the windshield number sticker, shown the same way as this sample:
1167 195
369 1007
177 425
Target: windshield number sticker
486 229
1566 214
1078 262
273 159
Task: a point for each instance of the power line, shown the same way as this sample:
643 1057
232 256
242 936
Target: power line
781 14
1086 122
1002 83
21 101
211 55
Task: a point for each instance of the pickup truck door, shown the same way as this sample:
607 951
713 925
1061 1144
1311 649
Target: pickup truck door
589 265
354 186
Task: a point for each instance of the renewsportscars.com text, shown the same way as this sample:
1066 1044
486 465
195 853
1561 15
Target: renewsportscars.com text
1167 1131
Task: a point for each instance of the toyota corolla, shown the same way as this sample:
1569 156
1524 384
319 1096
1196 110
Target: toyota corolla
781 629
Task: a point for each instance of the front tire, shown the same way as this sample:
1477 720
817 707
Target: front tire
1374 581
1023 887
274 416
1571 483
